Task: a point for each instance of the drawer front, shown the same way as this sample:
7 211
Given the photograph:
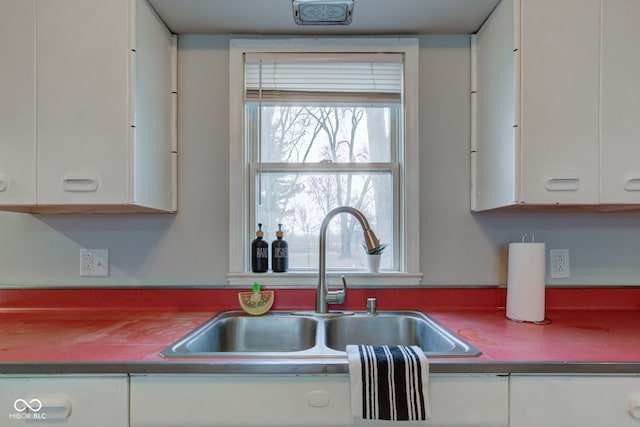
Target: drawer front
70 401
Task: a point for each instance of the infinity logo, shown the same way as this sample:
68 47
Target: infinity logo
21 405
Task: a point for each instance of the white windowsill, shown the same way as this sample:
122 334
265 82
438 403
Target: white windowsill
306 279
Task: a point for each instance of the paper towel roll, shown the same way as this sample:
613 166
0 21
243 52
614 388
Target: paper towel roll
525 282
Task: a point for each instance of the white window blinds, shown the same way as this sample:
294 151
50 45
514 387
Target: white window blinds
361 78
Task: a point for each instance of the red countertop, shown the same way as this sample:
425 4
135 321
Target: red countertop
129 327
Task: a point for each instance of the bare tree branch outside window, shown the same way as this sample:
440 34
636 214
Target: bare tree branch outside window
299 197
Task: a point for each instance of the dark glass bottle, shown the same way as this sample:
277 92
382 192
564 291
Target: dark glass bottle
279 253
259 253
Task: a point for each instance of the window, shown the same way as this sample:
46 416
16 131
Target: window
317 124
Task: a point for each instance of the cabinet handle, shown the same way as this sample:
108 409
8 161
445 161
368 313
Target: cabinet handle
632 184
44 408
318 398
86 184
4 183
634 405
562 184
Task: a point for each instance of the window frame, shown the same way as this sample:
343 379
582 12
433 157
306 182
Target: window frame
408 262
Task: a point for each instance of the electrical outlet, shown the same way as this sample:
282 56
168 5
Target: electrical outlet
94 262
560 263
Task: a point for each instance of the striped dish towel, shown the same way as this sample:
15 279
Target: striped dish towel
389 382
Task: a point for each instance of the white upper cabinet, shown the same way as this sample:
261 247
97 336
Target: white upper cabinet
96 108
559 100
545 133
620 153
17 104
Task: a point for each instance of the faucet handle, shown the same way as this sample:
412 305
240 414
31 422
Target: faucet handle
338 296
372 306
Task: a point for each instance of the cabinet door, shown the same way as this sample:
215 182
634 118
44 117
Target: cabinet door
301 400
560 51
82 105
585 401
64 400
620 102
17 104
493 159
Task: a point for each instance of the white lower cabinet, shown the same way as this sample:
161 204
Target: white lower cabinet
301 400
64 400
176 400
580 400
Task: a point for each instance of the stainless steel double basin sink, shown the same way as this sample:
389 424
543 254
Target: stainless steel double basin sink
284 335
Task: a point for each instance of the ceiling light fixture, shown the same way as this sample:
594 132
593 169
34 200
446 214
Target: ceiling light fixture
322 12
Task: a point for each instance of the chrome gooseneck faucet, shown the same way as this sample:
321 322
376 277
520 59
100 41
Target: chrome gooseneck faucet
323 295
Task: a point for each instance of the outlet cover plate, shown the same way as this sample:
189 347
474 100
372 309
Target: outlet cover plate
560 268
94 262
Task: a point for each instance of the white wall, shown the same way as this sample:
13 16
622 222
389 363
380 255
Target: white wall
190 248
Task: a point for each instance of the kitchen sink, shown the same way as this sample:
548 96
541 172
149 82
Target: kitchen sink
284 334
235 332
401 329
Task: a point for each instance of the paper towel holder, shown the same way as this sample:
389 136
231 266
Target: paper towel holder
545 321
